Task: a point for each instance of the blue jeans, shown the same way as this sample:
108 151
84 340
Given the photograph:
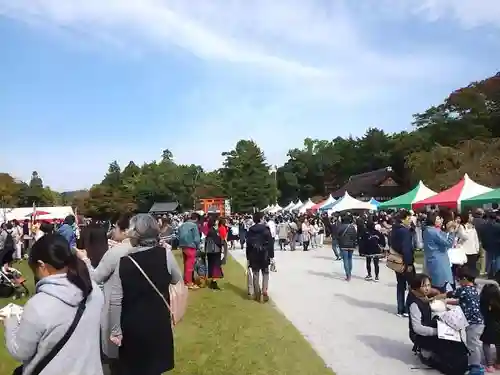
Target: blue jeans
336 248
492 261
347 260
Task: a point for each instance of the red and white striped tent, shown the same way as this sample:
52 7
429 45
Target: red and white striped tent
452 197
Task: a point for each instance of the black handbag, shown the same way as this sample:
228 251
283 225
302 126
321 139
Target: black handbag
40 366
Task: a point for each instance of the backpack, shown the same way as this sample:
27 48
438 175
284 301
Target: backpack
9 245
256 242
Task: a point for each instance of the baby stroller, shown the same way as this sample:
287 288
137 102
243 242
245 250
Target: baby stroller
12 282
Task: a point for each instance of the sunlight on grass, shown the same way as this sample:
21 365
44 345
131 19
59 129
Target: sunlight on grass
223 333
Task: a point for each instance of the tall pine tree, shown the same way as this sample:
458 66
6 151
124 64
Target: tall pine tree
246 179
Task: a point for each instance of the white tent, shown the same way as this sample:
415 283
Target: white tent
289 206
306 206
347 203
297 205
266 209
328 201
43 213
275 208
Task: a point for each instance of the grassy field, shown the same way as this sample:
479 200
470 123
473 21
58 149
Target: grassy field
223 333
7 364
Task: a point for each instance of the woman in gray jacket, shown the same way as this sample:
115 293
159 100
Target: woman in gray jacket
119 247
63 289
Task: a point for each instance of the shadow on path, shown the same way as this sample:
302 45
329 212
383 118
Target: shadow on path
333 275
366 304
332 258
389 348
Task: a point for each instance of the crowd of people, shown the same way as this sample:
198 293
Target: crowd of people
451 245
16 237
103 280
94 290
88 311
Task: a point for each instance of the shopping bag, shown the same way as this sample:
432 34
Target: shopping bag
445 332
454 318
457 255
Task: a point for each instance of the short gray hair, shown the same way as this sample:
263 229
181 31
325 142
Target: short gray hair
143 227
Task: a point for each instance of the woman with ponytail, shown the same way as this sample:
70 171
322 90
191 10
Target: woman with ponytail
58 332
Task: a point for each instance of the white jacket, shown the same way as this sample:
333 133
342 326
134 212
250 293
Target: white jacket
272 228
468 239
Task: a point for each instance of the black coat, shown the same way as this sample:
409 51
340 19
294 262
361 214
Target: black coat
402 242
147 345
491 315
373 241
257 260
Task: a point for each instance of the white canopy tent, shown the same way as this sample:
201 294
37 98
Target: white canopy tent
266 209
347 203
289 206
42 213
306 206
297 205
328 201
275 208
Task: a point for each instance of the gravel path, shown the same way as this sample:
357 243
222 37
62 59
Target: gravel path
353 325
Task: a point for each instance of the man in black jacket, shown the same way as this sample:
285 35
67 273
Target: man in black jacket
402 243
489 236
260 252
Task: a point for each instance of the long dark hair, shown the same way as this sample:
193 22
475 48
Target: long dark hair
489 299
53 249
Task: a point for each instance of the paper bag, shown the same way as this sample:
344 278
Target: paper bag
445 332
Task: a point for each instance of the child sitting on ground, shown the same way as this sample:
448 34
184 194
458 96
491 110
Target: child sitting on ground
467 297
200 269
490 308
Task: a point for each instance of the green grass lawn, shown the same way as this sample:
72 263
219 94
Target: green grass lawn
223 333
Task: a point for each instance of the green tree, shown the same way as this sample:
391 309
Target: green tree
167 156
245 177
455 137
9 190
113 178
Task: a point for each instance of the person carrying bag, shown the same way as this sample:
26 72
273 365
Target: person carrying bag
178 296
40 366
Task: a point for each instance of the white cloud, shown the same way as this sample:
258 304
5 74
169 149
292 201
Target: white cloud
316 54
468 13
293 37
157 21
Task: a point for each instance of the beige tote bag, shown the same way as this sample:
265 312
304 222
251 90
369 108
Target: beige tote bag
178 296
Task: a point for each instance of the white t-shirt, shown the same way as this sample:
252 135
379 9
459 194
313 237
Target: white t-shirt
272 227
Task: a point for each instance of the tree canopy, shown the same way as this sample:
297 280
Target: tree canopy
460 135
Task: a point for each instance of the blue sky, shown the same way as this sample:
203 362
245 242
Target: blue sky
85 82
